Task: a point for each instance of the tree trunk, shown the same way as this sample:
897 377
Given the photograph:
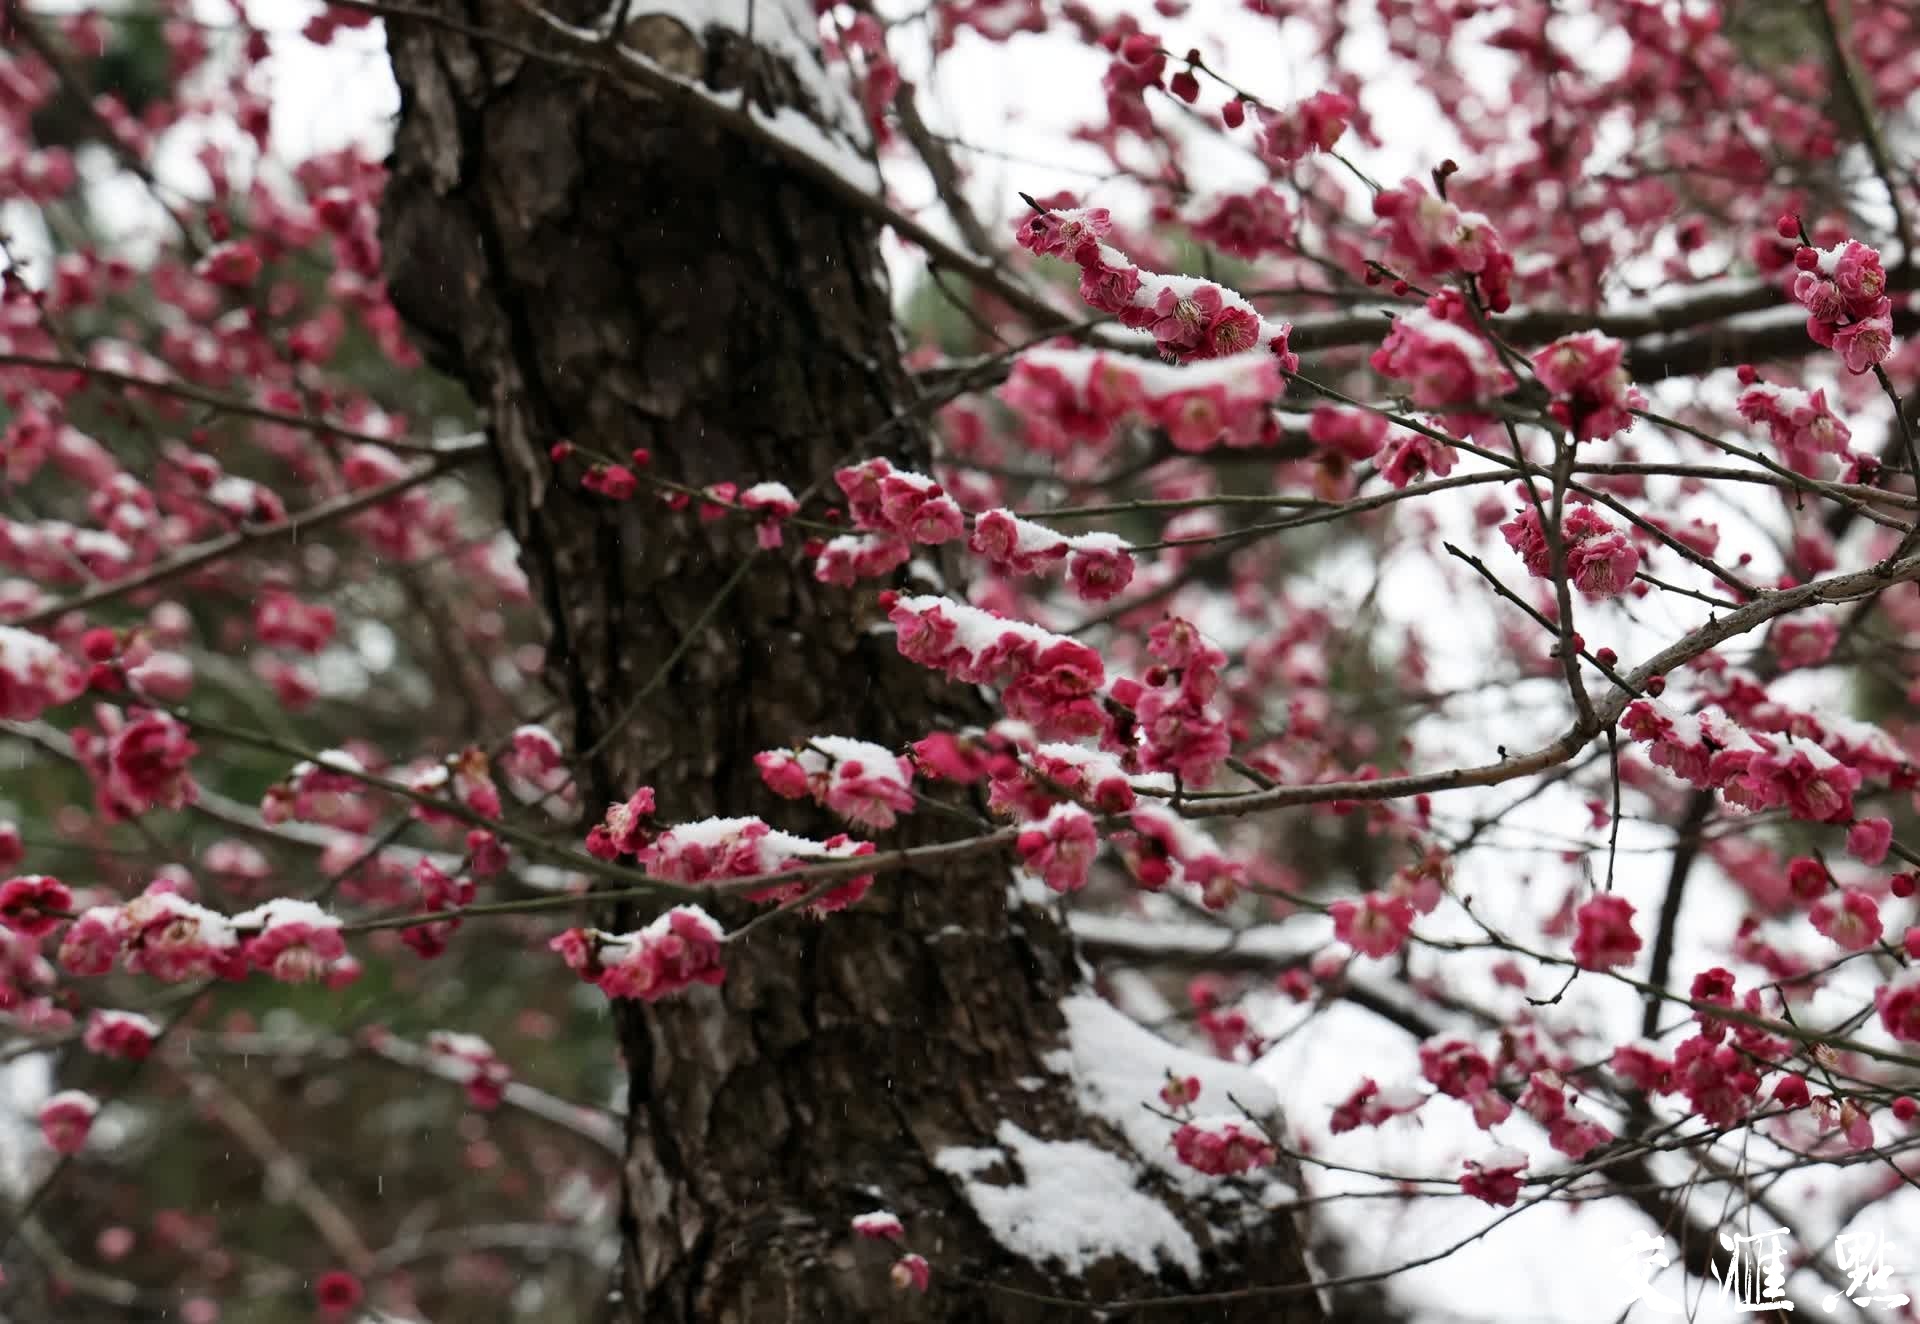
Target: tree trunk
596 265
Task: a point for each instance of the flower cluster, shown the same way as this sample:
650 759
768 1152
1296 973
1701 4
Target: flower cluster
468 776
439 891
1072 398
1460 1070
1375 925
1188 318
283 621
1843 290
471 1060
1306 127
137 760
1044 678
1592 394
1752 770
1099 565
1060 847
772 503
1030 783
322 790
1496 1177
1601 561
35 675
122 1034
1222 1147
1605 936
1369 1105
1163 849
626 829
1898 1003
1545 1100
1850 918
896 509
676 951
1447 366
716 849
66 1119
1246 225
1801 424
291 940
1429 236
862 782
158 933
33 905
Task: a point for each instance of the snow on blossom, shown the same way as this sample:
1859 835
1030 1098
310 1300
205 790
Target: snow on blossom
535 751
1800 424
1163 849
92 942
880 1225
33 904
1045 678
1495 1177
35 675
1753 770
1029 786
677 950
66 1119
1370 1105
1843 289
1223 1146
1375 925
1587 375
850 558
163 934
122 1034
1850 918
1060 848
472 1061
1100 566
773 503
1446 366
911 1271
717 849
1898 1003
1189 318
292 940
1069 397
910 506
863 783
1428 236
1312 125
1015 545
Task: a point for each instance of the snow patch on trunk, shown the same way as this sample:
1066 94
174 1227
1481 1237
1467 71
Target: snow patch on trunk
1076 1205
1118 1068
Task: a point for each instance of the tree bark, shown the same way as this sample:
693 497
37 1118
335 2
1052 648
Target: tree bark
597 266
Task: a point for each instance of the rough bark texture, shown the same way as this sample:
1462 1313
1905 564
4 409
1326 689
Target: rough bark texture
595 266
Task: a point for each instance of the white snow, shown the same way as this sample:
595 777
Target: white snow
1118 1068
1076 1205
